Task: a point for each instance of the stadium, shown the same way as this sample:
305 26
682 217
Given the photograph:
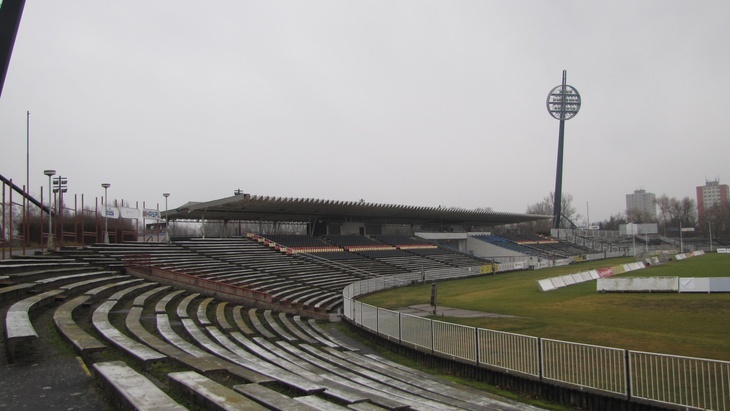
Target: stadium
247 314
284 303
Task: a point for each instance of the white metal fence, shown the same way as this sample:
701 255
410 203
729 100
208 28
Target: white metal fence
416 331
684 381
692 382
514 352
587 366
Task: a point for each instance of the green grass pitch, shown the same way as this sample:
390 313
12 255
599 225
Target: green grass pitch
688 324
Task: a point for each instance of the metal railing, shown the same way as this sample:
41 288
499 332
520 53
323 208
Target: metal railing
587 366
666 379
692 382
509 351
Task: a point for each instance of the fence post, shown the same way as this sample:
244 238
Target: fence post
433 338
476 345
540 366
377 320
627 356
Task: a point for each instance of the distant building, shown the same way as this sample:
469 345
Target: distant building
642 201
711 194
638 229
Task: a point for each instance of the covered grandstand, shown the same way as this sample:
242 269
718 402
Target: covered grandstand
239 314
250 305
325 217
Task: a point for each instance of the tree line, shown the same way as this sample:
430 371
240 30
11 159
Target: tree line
673 214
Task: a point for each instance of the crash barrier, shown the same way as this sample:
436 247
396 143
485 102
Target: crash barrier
665 284
553 283
632 375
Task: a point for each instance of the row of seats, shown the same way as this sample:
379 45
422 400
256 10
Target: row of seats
396 253
509 245
222 354
398 240
307 281
244 263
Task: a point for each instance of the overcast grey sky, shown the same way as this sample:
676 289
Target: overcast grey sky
402 102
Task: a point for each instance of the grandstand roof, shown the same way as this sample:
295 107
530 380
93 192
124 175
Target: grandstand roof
253 207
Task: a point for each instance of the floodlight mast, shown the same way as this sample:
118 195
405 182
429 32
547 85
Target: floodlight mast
167 219
50 173
563 103
106 213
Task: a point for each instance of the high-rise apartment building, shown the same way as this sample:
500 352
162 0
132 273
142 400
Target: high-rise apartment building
711 194
642 201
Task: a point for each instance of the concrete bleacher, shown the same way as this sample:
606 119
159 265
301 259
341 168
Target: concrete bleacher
401 253
304 280
552 247
285 361
502 242
241 263
282 358
210 394
49 285
131 390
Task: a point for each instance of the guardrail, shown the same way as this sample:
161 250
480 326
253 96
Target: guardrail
665 379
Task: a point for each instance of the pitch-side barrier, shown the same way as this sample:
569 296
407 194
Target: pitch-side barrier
695 383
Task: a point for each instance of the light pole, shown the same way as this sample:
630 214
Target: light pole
50 173
106 213
681 241
563 103
167 219
60 186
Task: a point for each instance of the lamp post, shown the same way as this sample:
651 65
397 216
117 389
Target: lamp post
106 213
50 173
167 219
60 186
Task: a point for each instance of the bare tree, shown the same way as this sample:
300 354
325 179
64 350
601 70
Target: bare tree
716 220
677 213
613 222
545 207
639 216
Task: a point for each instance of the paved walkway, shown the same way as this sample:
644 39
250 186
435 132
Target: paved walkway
47 375
425 310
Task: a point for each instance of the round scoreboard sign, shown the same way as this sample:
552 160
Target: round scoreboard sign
563 102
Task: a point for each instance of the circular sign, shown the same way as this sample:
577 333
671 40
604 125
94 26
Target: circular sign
563 102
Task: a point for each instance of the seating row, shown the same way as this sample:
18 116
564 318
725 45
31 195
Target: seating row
285 361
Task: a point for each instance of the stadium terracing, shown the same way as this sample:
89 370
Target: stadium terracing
245 306
305 274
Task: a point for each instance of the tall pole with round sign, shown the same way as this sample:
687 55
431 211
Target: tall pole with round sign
563 103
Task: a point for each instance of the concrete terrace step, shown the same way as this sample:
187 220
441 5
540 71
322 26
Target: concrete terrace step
209 394
272 399
131 390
